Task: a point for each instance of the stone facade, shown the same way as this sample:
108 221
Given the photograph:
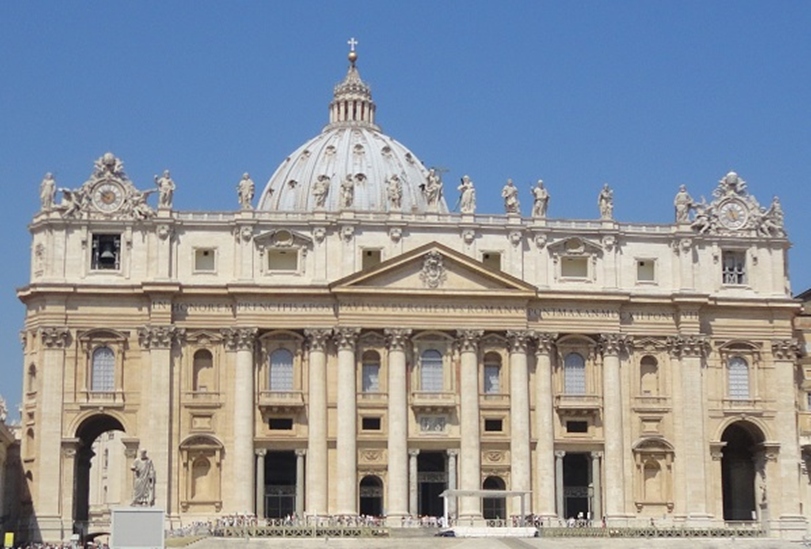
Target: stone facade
361 353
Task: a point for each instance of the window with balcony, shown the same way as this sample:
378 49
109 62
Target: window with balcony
431 374
102 370
738 378
370 372
574 374
492 373
281 370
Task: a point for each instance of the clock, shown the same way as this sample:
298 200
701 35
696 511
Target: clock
108 196
733 214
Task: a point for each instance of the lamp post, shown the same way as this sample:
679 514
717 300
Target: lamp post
590 498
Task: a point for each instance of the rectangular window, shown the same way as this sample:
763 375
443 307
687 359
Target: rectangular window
370 424
492 260
370 259
280 424
283 260
808 401
371 378
574 267
645 270
493 425
577 427
492 383
734 268
106 252
204 260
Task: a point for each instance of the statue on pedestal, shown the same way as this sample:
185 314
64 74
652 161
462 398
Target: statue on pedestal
245 191
510 195
166 190
540 202
143 485
683 204
47 190
467 197
605 201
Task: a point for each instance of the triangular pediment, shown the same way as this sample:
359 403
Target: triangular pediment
434 268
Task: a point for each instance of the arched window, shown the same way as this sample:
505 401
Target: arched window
648 376
200 480
494 508
431 378
203 371
574 374
371 372
31 382
738 378
492 373
653 481
102 375
281 370
30 450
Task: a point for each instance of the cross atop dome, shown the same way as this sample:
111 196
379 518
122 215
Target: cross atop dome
353 55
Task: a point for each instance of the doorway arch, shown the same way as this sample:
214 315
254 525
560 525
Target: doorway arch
494 508
87 432
371 496
738 470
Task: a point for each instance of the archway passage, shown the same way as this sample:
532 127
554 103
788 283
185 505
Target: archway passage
738 470
576 478
88 431
494 508
371 496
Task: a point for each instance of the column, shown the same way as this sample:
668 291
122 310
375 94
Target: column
260 483
785 499
49 424
559 510
241 340
157 340
300 482
346 443
412 482
316 484
452 455
612 427
397 503
520 457
545 425
470 451
691 350
597 503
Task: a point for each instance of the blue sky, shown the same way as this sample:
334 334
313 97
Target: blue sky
643 95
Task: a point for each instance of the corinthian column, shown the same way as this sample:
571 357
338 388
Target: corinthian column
241 340
612 427
398 425
519 411
346 444
54 341
787 494
470 450
157 340
316 484
545 426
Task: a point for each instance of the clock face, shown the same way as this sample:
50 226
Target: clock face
108 197
733 214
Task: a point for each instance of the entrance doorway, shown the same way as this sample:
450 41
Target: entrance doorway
87 433
576 478
432 480
738 472
494 508
280 484
371 496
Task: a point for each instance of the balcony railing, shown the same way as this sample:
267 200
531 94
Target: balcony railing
425 400
578 403
109 399
369 397
494 400
650 402
281 400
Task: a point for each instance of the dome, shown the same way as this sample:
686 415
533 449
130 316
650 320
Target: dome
352 165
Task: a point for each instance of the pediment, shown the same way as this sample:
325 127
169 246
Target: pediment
575 246
434 268
283 238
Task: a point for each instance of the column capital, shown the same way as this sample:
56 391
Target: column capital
239 339
261 452
519 340
156 337
54 337
688 345
317 338
613 344
544 341
396 338
301 452
596 455
468 340
452 452
560 454
786 349
346 338
413 453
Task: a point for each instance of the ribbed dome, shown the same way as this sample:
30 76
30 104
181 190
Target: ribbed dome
352 165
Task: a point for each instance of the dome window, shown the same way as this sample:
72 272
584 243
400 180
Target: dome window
358 149
386 150
292 183
330 151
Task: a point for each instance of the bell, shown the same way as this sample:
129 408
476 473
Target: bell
107 253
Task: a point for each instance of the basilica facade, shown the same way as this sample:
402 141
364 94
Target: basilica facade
344 344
